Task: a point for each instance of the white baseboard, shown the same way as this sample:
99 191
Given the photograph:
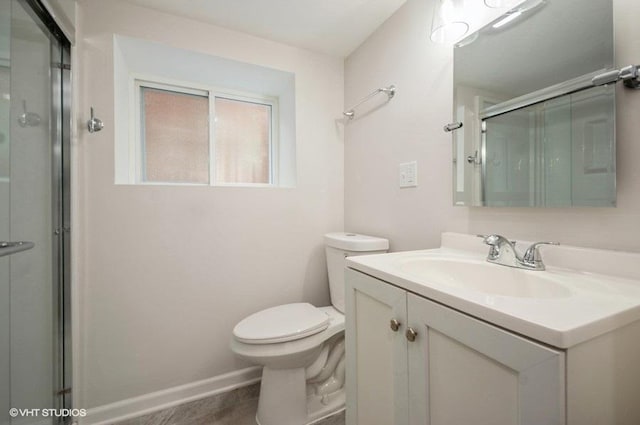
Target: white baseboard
153 402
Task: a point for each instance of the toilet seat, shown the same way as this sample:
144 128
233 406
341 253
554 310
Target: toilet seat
282 323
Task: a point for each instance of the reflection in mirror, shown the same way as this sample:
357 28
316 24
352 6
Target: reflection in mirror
524 142
557 153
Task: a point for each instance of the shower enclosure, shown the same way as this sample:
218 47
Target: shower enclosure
558 153
34 216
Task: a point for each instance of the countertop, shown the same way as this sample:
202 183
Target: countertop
594 291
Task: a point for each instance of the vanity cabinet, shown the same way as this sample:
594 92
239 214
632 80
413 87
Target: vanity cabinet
411 361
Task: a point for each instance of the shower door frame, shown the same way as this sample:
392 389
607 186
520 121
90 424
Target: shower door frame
60 136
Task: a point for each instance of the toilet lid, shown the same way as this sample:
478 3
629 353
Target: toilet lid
283 323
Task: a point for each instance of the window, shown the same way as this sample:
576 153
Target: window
174 136
204 136
188 118
243 141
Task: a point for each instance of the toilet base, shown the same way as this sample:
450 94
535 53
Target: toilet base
284 399
318 410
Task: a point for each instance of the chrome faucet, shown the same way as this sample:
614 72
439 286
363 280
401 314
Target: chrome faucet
504 252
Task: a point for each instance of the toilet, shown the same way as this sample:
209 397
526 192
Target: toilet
301 347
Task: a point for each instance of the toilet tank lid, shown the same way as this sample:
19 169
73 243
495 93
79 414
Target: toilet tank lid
355 242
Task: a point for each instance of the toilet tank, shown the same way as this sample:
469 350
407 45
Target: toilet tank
339 246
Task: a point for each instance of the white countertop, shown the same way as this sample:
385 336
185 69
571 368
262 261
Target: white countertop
596 291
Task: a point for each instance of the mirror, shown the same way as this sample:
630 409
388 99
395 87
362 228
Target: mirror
533 134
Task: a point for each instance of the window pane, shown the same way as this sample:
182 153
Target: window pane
243 136
176 136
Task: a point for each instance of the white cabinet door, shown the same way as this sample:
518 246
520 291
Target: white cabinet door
463 371
376 355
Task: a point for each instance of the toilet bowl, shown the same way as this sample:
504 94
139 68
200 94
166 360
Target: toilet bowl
301 347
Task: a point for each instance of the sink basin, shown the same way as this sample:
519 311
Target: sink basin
491 279
583 293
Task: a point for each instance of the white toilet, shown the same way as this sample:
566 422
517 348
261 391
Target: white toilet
301 346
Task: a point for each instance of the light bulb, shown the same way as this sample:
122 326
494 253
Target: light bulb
448 24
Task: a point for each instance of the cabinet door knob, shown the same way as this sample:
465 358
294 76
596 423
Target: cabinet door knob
411 334
394 325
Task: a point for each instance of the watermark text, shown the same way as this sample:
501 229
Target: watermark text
47 413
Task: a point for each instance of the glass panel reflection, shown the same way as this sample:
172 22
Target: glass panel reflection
26 199
559 153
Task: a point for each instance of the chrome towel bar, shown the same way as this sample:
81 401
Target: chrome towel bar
389 91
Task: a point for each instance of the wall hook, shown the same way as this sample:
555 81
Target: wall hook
94 124
28 119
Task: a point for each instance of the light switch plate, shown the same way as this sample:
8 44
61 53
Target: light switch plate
408 174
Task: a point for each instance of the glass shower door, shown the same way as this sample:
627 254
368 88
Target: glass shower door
31 265
5 316
558 153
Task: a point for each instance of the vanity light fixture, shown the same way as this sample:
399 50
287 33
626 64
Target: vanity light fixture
497 4
448 25
504 21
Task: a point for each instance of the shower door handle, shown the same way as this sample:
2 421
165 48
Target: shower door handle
8 248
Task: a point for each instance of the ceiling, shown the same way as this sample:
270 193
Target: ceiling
335 27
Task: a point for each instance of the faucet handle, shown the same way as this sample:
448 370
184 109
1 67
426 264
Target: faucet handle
532 254
494 240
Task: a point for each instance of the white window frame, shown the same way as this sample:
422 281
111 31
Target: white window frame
136 142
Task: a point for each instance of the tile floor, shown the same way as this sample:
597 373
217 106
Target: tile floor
237 407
